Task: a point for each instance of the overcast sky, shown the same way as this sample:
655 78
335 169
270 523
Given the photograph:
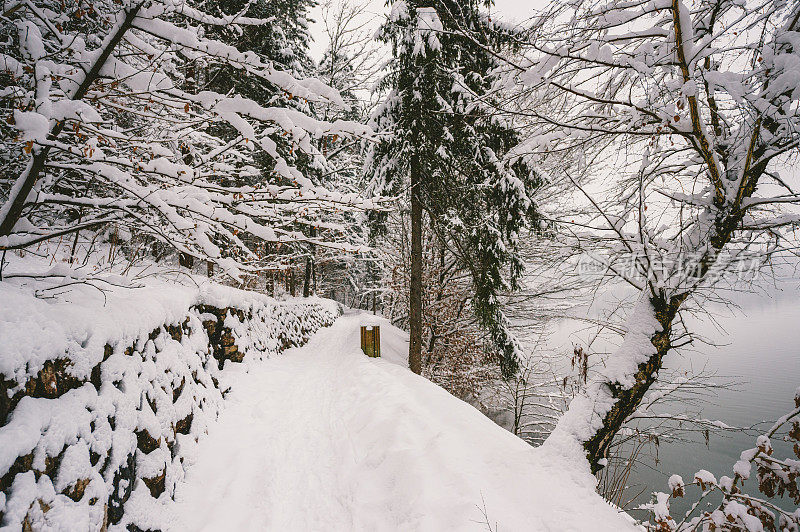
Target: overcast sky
508 10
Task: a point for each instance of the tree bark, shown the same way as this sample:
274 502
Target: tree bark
415 296
310 273
627 400
186 260
665 309
307 280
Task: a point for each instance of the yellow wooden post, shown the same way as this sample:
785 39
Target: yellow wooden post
371 340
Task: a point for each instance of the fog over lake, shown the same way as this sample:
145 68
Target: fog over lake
762 351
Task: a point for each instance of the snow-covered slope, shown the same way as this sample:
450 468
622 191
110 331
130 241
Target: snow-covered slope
324 438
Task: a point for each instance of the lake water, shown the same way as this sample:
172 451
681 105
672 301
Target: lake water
762 352
757 345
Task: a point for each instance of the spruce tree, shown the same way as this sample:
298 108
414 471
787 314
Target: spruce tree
444 145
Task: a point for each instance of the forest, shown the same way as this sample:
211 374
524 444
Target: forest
565 221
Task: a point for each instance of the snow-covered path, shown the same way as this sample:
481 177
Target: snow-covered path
325 438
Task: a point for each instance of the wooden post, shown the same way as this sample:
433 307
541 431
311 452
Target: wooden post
371 340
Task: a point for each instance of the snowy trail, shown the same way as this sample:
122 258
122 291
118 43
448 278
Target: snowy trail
324 438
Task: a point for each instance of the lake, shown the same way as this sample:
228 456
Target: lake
757 345
763 353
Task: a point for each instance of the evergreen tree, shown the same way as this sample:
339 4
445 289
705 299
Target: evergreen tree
284 43
446 147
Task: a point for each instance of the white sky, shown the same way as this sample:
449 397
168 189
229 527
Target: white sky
508 10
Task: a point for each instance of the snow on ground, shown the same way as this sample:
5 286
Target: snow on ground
325 438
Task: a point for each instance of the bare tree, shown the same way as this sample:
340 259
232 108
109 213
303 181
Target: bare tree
353 59
104 110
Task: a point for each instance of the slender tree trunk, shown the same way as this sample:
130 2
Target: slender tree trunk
307 280
415 299
186 260
75 241
314 278
310 274
271 283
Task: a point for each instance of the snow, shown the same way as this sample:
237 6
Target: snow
30 40
429 26
320 437
742 468
32 125
738 511
50 61
324 437
705 478
587 410
661 507
675 483
142 379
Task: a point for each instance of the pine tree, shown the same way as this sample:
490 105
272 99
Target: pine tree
446 147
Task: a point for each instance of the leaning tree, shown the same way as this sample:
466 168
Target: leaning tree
678 119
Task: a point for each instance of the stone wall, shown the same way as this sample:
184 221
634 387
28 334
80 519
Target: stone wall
100 452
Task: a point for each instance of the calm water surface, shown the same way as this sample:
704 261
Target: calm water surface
758 346
763 353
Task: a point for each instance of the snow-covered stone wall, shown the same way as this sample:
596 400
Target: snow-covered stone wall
103 401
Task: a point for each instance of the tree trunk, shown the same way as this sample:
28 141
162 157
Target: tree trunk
310 273
186 260
415 299
307 280
627 400
665 309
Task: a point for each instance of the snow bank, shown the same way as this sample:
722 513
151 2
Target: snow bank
104 395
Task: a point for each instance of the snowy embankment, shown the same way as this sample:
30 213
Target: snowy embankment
324 438
103 395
